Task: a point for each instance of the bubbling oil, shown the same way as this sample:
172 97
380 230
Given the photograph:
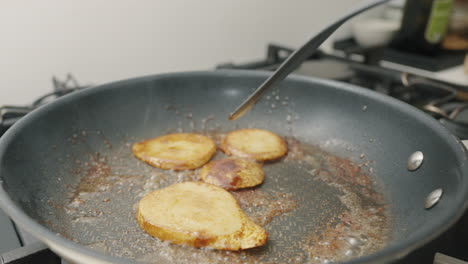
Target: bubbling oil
317 208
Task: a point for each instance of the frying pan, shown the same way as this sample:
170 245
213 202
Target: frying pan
344 191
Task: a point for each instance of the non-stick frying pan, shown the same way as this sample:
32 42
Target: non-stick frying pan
68 175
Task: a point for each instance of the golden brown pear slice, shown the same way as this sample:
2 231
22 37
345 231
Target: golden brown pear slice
233 173
258 144
180 151
200 215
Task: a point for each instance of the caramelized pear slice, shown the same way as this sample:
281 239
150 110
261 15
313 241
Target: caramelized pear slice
233 173
258 144
180 151
200 215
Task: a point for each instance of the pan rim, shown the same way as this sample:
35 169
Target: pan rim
392 251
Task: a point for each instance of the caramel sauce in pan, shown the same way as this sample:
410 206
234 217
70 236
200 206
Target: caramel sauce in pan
263 207
350 221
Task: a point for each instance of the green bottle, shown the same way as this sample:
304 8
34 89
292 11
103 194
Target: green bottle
423 26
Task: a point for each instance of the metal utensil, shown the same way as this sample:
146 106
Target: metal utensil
297 57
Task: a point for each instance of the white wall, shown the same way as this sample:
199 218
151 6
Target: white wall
104 40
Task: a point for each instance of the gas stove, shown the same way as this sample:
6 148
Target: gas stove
445 101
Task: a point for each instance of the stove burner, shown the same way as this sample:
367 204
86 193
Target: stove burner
10 114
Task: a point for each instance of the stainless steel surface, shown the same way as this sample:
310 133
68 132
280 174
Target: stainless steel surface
465 143
297 57
8 238
25 237
433 198
12 111
415 160
436 111
443 259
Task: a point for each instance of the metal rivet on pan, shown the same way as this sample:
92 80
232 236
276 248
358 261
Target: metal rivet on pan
433 198
415 160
